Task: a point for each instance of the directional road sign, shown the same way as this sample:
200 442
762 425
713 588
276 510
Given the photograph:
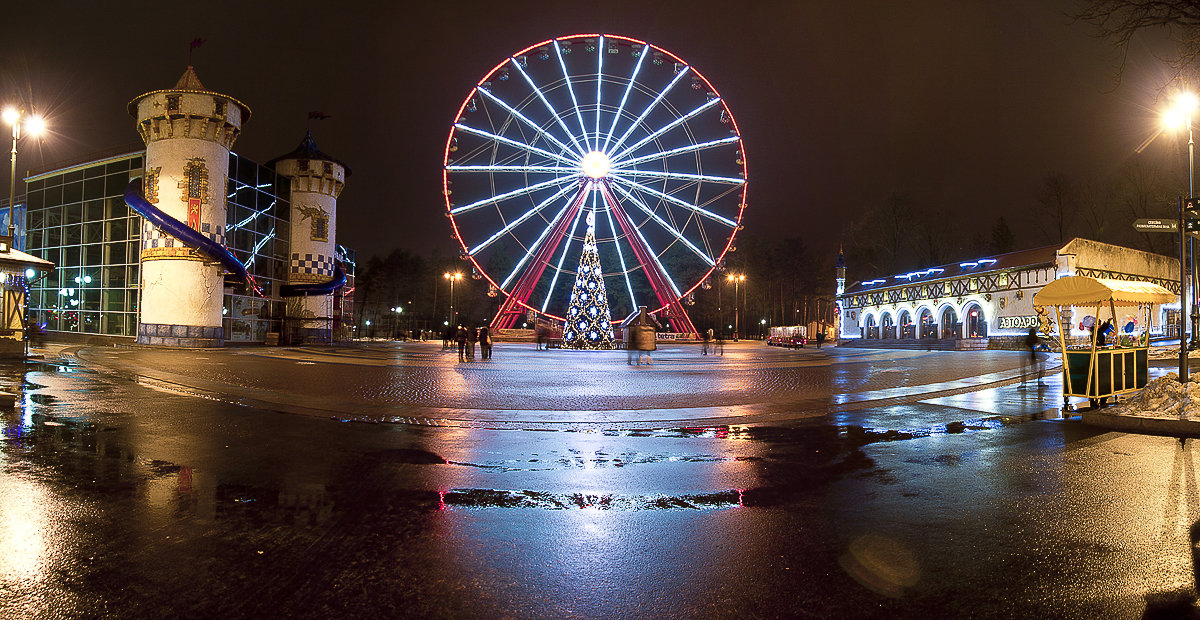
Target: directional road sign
1147 225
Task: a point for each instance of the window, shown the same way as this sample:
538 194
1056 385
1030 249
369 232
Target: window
219 106
173 103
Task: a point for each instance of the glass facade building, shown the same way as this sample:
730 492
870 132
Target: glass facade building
77 218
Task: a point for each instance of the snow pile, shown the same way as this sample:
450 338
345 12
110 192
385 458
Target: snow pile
1163 397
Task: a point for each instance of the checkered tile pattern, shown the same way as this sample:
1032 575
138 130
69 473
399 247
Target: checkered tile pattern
154 237
312 263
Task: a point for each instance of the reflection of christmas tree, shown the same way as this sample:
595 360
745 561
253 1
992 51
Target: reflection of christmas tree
588 324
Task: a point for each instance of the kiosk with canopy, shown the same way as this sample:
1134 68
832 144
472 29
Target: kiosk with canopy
1119 366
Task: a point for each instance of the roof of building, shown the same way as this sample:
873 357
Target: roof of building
15 257
308 150
999 262
189 82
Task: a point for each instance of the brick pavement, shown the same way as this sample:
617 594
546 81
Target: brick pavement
419 383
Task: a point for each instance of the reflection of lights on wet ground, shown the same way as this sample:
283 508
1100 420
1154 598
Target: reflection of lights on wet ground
22 529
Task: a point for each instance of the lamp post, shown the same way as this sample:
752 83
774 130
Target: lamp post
34 125
737 280
1181 114
452 277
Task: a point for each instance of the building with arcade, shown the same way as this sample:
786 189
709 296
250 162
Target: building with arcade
972 304
185 242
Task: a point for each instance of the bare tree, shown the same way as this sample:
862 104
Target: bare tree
1058 202
1119 21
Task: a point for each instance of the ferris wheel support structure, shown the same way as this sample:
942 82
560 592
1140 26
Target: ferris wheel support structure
660 282
515 305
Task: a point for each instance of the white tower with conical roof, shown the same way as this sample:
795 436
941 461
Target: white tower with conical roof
188 131
316 182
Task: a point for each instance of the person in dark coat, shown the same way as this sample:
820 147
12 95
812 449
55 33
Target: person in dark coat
485 343
461 337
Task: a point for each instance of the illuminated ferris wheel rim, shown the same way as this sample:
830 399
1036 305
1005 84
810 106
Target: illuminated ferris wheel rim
596 166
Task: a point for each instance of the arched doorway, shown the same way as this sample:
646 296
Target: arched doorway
928 327
974 322
870 329
949 323
907 329
889 327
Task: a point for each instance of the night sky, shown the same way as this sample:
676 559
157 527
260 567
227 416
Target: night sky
965 106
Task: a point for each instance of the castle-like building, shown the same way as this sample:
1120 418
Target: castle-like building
187 243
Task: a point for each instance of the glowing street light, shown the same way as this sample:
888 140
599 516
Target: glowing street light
737 279
34 125
452 277
1180 116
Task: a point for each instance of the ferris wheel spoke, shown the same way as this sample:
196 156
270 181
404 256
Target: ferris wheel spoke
668 227
528 189
541 238
514 143
691 148
672 199
549 108
668 127
621 258
517 222
571 89
642 116
561 258
628 87
539 169
511 110
647 250
682 176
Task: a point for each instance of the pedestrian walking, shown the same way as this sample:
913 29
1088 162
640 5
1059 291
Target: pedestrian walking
485 343
643 338
447 338
820 338
461 337
1033 361
707 340
472 338
540 333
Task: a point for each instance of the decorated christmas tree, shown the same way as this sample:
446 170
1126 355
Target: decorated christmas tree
588 324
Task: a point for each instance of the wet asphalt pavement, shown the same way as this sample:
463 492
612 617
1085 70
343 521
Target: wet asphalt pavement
140 483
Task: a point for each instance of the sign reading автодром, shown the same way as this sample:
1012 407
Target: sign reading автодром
1018 322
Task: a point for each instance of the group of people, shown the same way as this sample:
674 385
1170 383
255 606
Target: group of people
466 337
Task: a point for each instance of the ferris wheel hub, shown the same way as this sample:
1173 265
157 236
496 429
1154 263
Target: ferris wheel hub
595 165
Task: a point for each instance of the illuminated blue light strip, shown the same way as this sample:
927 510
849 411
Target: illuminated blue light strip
549 108
511 142
650 107
516 192
683 203
517 222
553 169
679 175
540 239
668 127
671 229
571 89
683 149
562 257
620 108
532 125
621 257
661 268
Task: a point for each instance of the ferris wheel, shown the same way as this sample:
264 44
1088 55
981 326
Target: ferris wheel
602 129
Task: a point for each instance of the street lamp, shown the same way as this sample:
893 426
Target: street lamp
452 277
1181 114
737 280
34 125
